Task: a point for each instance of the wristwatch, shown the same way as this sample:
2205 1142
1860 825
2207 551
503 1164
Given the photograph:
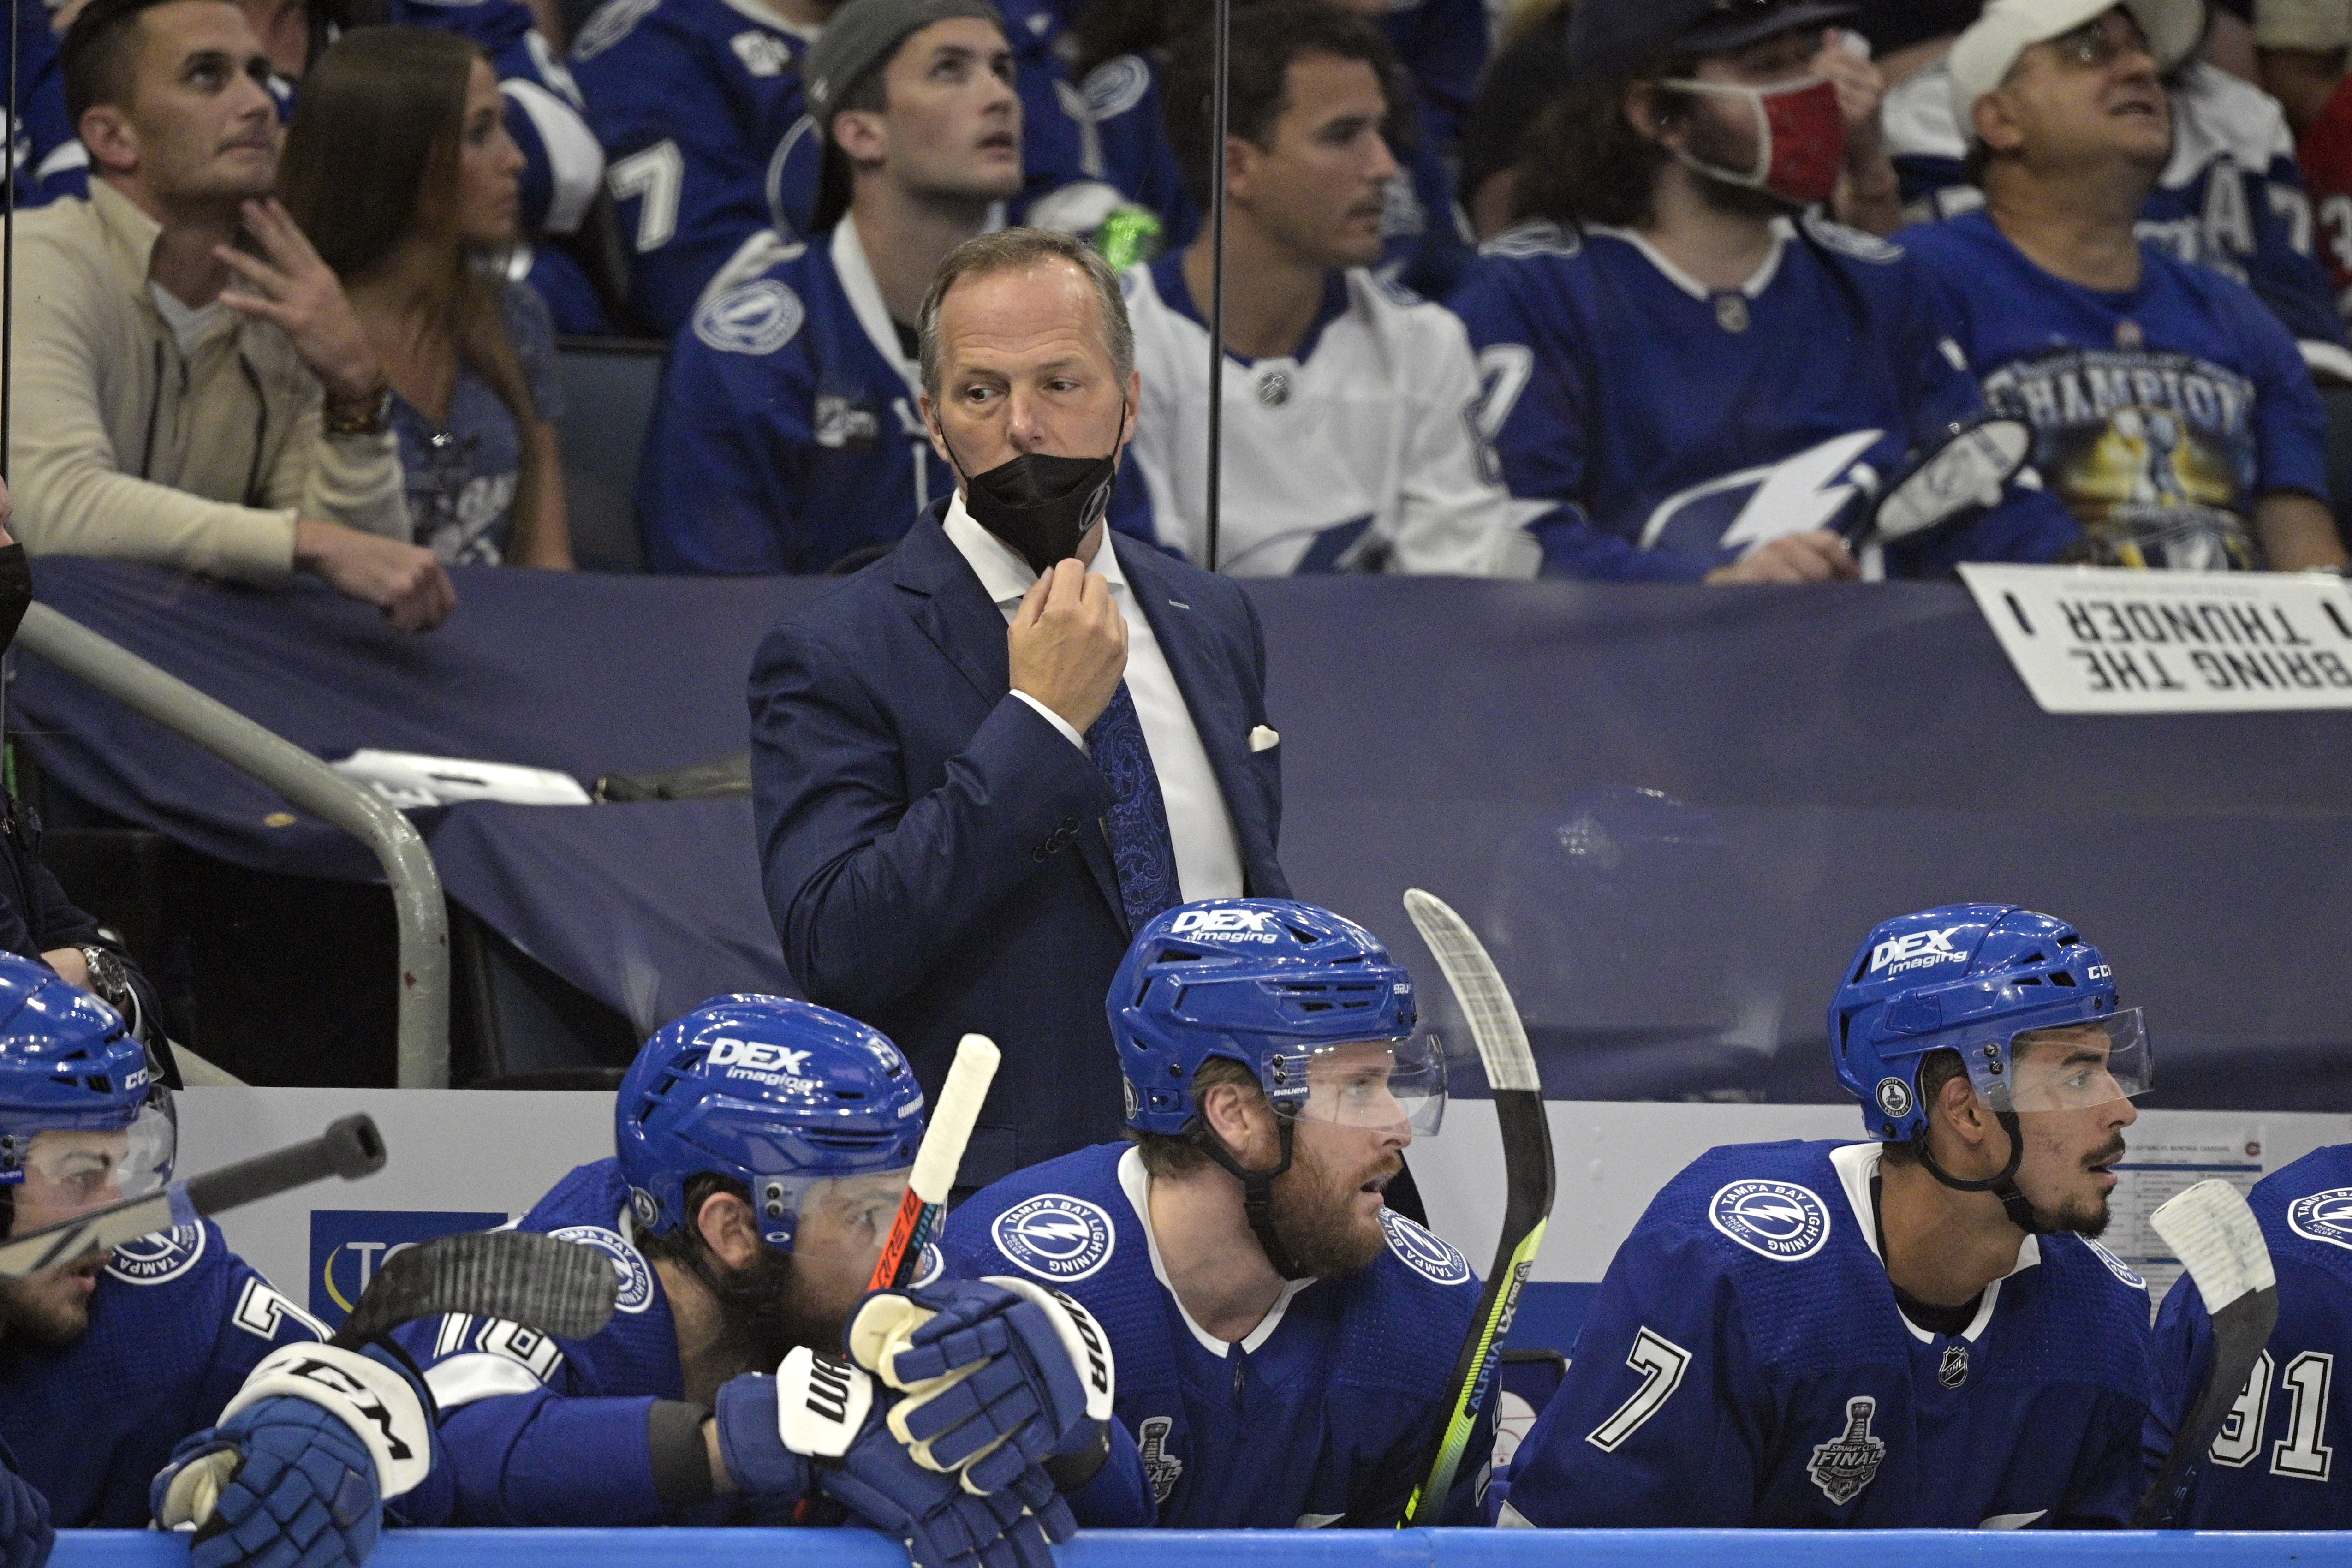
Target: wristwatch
110 983
375 422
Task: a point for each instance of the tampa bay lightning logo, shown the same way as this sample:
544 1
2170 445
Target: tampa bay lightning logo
636 1280
928 1267
2323 1216
755 318
2116 1265
1779 1220
1114 86
1426 1255
1725 518
1056 1236
153 1259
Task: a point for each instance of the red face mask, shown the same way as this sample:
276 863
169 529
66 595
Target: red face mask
1799 137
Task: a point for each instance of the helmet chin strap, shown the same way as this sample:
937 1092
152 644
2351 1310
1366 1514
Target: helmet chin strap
2003 1186
1257 1188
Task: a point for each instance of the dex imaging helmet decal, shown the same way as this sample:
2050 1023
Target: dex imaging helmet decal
1056 1236
1779 1220
1915 949
2323 1216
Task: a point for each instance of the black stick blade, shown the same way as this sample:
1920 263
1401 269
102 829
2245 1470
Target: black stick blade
559 1288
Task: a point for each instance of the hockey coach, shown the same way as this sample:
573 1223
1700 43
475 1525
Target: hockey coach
983 762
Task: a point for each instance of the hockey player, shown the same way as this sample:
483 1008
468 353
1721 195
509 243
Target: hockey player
2273 1465
2172 412
763 1146
2232 195
1347 441
1913 1331
1286 1341
1690 374
106 1363
797 383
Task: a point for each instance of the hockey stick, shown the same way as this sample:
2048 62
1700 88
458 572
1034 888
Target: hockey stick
935 1161
2216 1238
1526 1136
559 1288
350 1148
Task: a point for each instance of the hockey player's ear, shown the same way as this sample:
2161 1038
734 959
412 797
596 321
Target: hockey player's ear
1240 1118
730 1229
1973 1132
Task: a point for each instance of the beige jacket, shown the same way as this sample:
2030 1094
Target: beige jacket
121 445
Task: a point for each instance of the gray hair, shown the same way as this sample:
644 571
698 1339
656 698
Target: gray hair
1017 251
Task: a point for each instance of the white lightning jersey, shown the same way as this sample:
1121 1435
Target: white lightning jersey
1360 453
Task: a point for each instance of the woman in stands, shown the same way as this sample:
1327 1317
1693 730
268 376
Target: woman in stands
399 169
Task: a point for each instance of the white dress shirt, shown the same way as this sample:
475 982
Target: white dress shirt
1208 854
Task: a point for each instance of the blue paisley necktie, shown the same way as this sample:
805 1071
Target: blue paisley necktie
1137 822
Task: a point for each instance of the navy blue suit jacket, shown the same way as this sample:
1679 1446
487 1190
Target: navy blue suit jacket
932 848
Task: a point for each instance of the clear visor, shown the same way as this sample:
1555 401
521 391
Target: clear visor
68 1171
1371 1084
840 1216
2071 1066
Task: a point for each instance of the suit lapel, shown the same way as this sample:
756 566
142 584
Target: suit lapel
955 612
951 607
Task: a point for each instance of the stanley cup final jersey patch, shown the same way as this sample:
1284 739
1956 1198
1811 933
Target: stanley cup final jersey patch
1847 1463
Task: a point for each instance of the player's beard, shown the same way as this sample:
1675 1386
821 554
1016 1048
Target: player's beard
762 1313
2085 1216
45 1310
1315 1214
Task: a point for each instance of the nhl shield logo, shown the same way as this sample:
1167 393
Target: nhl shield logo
1848 1462
1954 1370
2323 1216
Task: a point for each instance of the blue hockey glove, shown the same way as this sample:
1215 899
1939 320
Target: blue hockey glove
297 1472
816 1428
25 1533
1000 1375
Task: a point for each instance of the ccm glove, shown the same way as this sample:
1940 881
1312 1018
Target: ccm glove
1000 1375
25 1533
297 1472
816 1429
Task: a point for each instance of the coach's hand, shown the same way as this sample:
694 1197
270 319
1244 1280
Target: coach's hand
1817 556
1067 644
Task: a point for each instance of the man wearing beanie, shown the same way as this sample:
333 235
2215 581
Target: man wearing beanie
2172 413
795 381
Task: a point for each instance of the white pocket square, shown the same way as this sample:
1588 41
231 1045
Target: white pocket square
1263 740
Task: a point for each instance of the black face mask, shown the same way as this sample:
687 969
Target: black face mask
15 592
1043 506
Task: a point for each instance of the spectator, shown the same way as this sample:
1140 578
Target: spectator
2172 412
798 384
700 109
2231 196
1347 445
2303 52
162 415
1425 242
1690 374
985 762
400 164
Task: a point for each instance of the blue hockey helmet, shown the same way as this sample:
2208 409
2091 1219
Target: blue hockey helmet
84 1118
1972 978
780 1095
1279 988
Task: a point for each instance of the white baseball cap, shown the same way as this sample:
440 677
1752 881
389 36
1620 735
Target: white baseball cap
1981 56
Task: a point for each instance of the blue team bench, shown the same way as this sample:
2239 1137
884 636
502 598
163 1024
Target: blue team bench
1300 1548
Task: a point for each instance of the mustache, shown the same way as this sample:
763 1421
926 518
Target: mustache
2106 1155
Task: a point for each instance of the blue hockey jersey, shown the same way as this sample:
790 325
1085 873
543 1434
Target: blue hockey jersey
542 1431
1323 1416
175 1324
2273 1467
2231 198
1745 1364
787 433
1654 429
2163 414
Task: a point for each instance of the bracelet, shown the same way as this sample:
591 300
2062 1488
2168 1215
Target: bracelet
375 422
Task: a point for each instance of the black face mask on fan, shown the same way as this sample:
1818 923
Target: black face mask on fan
1042 506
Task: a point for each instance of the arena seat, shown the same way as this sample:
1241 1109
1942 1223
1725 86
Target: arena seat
608 399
